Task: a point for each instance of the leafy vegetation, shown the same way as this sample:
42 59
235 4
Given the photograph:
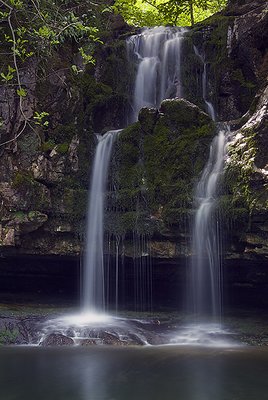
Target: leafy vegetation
34 30
8 336
167 12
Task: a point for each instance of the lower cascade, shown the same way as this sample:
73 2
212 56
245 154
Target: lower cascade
206 269
93 272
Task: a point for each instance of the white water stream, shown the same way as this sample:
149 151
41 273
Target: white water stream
206 271
93 273
158 51
207 266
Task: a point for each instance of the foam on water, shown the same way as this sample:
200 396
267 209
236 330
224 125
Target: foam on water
204 334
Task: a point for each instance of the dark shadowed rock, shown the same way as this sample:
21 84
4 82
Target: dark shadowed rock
148 118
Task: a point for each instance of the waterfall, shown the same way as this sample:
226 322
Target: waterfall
206 272
209 107
206 268
93 274
158 51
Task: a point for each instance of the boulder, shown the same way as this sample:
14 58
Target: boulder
56 339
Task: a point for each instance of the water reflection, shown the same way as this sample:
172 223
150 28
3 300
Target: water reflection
206 379
162 373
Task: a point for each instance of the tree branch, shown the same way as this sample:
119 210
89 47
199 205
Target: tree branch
17 73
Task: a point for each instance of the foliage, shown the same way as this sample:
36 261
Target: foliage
8 336
32 29
163 12
9 75
41 118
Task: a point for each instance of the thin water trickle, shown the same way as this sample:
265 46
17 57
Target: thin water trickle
93 275
158 51
209 106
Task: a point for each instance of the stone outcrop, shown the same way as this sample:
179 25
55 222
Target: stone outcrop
157 161
247 182
233 46
156 166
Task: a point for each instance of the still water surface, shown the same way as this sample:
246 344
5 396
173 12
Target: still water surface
151 373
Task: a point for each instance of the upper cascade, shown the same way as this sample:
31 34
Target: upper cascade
158 52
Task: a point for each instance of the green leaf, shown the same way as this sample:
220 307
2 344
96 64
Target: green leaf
22 92
9 75
39 118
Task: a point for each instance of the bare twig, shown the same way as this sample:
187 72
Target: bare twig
26 120
6 5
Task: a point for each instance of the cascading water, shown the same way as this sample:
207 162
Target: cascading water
158 77
209 106
206 271
207 275
93 277
158 51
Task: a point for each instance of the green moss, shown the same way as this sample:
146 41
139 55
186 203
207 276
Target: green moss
148 118
62 133
240 172
37 216
62 148
30 191
8 336
238 76
181 113
156 168
48 145
176 216
19 216
234 213
22 179
72 205
29 143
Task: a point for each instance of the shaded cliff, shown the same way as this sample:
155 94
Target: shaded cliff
157 161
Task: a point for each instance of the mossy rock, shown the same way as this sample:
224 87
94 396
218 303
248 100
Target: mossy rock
32 194
148 118
157 163
182 113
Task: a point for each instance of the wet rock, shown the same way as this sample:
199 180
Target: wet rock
162 249
88 342
17 330
73 153
148 118
57 339
117 22
27 222
248 162
7 236
182 112
110 339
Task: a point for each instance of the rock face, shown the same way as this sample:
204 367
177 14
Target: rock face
157 161
162 156
246 179
56 339
233 46
45 171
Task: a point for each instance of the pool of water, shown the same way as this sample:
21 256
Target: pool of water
144 373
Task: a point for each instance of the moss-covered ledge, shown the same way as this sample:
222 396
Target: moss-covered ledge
156 166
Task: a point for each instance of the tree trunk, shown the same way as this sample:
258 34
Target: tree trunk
191 11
